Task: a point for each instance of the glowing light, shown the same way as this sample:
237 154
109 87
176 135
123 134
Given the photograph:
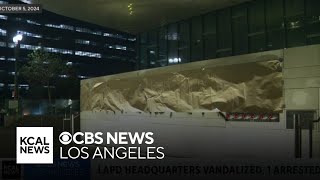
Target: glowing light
174 60
130 8
17 38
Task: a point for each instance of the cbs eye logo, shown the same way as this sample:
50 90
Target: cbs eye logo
65 138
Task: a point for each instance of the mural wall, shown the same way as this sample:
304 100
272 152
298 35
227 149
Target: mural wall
194 87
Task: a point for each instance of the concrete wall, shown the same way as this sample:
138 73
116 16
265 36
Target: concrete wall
302 86
197 136
302 77
208 135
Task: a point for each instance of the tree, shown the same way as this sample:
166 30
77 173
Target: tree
43 69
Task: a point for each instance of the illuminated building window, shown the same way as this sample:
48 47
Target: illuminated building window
86 42
49 49
27 21
98 33
3 32
26 1
24 86
116 47
61 26
29 47
107 34
172 36
82 77
86 30
174 60
57 50
4 2
3 17
11 59
3 44
64 51
121 47
33 22
132 39
115 36
88 54
30 34
63 76
67 27
80 41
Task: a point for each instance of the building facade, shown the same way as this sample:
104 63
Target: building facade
92 49
250 27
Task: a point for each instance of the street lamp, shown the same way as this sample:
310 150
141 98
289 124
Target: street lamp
16 39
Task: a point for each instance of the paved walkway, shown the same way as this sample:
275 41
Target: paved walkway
7 142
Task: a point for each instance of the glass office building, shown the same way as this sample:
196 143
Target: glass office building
92 49
254 26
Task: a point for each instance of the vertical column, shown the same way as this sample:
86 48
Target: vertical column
297 139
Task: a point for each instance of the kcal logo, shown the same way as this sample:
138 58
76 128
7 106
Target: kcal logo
34 145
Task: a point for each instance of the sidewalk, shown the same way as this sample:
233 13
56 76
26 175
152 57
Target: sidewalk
8 142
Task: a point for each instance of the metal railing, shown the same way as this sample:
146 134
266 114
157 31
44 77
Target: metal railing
69 116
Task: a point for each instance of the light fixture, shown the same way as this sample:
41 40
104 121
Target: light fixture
130 8
174 60
17 38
